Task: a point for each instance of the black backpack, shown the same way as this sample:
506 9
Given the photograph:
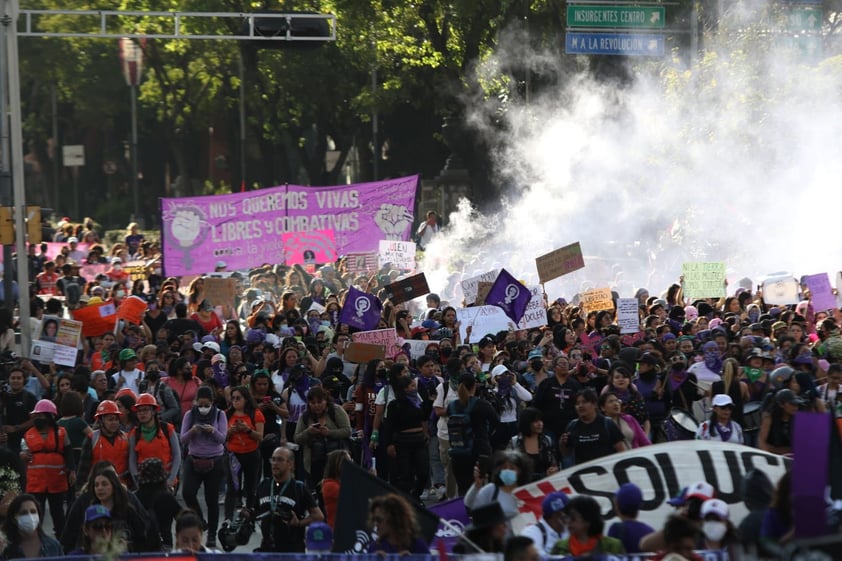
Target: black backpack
460 431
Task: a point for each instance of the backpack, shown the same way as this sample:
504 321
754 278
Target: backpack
460 431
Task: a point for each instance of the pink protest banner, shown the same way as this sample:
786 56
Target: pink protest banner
245 229
89 272
54 248
388 338
308 248
821 293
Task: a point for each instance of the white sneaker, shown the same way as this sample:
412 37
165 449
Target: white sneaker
426 495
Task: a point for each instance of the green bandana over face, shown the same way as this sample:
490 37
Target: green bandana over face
753 374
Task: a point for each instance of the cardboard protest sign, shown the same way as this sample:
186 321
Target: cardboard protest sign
661 470
821 293
470 287
628 317
597 299
309 248
220 291
96 318
387 338
361 262
781 289
483 288
407 289
559 262
704 280
483 320
361 353
401 255
535 314
132 309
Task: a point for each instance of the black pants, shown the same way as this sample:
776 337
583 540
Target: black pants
56 501
246 483
463 472
212 480
412 460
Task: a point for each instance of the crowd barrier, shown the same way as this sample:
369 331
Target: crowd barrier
234 556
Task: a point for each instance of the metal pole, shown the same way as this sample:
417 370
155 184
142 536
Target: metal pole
56 144
242 121
18 188
135 193
375 157
5 174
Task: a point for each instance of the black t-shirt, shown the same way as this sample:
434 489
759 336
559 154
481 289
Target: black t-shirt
278 501
16 408
593 440
178 326
557 402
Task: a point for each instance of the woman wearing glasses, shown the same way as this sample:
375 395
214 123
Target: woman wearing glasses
245 432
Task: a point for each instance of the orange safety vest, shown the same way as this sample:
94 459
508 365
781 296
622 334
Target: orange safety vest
117 453
158 447
46 472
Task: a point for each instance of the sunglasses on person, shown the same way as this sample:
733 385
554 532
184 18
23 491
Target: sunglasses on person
100 526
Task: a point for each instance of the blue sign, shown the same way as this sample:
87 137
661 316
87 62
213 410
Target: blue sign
626 44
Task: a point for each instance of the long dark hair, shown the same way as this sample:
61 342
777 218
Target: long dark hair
249 405
10 524
121 506
370 375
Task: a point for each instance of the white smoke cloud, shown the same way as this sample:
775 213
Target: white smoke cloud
739 161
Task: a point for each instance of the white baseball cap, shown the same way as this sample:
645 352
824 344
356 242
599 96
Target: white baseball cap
717 507
722 400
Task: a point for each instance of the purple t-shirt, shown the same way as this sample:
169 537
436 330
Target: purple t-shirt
630 532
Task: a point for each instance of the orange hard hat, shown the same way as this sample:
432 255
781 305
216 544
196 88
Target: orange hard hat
146 400
106 408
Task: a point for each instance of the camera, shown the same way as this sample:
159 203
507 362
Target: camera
237 531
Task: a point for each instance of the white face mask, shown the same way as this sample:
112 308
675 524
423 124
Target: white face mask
714 530
28 523
119 294
204 410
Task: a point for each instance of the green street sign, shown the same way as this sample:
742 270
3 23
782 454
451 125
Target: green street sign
627 17
803 19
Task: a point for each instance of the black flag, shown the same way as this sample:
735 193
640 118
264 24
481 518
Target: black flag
357 487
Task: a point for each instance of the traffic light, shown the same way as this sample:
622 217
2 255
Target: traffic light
7 226
303 30
33 224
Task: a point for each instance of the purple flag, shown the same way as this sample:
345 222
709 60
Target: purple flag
509 295
455 513
810 450
361 310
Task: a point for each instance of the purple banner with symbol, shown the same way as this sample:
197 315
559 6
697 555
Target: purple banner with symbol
245 229
361 310
510 295
453 518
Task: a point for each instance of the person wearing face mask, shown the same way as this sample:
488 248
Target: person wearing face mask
509 472
203 433
51 463
365 395
446 393
718 532
26 538
681 390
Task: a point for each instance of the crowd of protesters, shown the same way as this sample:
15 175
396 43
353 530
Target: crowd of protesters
253 401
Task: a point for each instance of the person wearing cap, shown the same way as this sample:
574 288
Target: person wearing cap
586 526
153 438
97 533
116 273
550 528
129 376
319 539
688 505
776 424
628 529
720 426
394 521
718 532
51 464
509 397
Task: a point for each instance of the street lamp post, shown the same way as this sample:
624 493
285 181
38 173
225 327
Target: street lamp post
131 59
